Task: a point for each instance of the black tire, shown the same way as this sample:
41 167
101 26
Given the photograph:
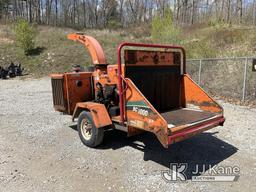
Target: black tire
88 133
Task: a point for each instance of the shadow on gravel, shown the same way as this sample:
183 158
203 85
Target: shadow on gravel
74 127
204 150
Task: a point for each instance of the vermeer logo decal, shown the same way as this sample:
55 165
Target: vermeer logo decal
139 107
140 111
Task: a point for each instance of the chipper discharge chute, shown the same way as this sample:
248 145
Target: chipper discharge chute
147 90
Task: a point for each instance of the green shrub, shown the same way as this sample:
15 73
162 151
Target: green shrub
200 49
113 24
216 22
25 34
163 30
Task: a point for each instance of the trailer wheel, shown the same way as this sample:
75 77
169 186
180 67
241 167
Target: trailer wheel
88 133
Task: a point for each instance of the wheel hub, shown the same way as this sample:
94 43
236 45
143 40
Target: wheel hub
86 129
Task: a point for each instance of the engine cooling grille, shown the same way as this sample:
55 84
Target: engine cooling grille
58 94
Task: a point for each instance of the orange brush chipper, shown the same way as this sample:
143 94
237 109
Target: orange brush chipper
147 90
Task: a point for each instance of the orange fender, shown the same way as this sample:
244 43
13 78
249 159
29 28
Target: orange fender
98 111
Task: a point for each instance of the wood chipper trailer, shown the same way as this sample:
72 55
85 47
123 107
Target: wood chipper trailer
147 90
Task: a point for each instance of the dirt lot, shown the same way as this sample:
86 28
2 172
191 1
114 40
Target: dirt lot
40 150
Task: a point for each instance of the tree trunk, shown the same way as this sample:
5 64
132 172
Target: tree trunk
38 15
56 12
1 10
192 12
222 11
121 12
30 11
96 13
48 11
74 12
228 13
239 9
84 9
178 10
254 12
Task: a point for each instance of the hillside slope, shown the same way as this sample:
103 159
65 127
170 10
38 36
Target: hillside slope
55 53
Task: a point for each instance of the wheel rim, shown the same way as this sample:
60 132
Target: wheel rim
86 129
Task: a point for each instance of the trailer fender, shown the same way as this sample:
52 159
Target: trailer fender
98 111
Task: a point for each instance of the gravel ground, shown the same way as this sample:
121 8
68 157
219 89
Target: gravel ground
40 149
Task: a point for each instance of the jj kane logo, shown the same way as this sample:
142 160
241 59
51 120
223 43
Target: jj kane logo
200 172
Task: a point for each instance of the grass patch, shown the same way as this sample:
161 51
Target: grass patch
55 53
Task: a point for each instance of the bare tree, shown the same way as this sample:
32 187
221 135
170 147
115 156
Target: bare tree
192 12
239 9
84 14
56 12
48 8
98 13
254 12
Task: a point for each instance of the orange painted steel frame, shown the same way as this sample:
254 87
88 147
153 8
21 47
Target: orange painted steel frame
93 46
114 75
191 93
155 123
74 93
145 57
98 111
152 122
195 95
120 72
